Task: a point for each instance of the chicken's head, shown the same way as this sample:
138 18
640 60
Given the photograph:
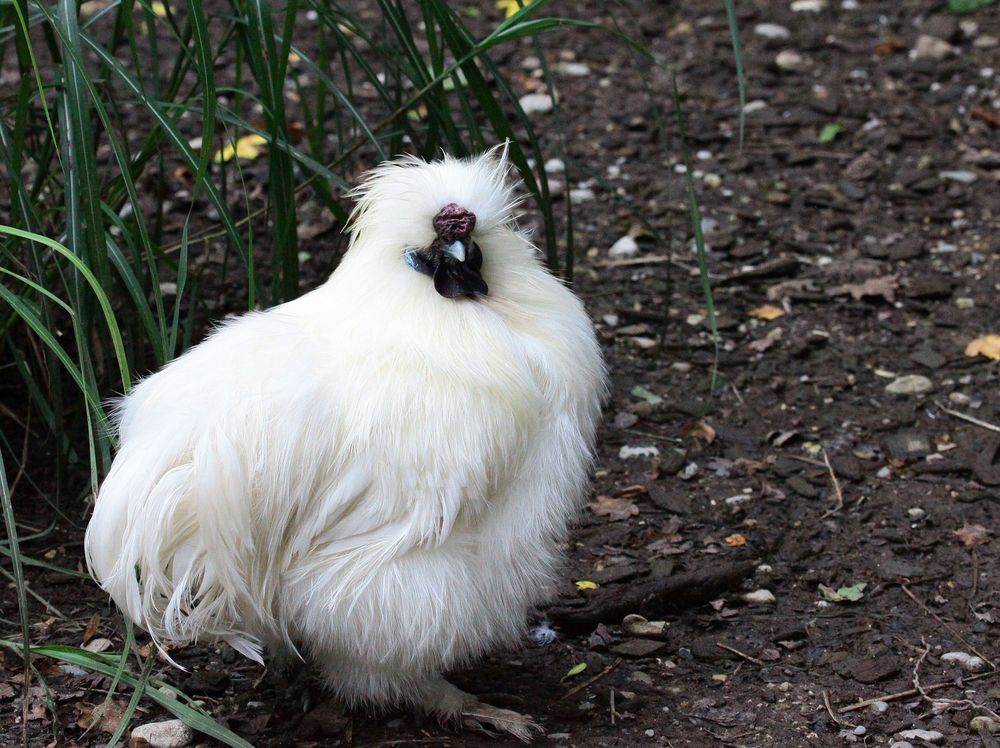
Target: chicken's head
453 259
439 219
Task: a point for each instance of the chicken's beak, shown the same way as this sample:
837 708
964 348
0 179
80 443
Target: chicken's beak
458 273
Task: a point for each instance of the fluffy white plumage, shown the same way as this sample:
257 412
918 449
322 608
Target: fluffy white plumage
372 475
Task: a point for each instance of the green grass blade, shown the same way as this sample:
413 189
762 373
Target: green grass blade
98 290
20 588
699 238
741 82
108 665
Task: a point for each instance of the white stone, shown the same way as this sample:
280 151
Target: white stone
982 723
930 48
771 31
555 166
916 513
577 69
808 6
759 597
536 103
624 247
966 661
169 734
965 177
910 384
581 195
790 60
627 452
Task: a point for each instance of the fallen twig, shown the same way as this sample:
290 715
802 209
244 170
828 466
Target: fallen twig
911 692
970 419
744 655
829 710
838 494
947 626
590 681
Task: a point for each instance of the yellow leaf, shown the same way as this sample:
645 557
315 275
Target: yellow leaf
510 7
158 8
767 312
988 346
248 148
734 541
417 114
586 584
575 670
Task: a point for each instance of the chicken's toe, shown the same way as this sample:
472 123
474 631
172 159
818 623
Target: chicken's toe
479 716
452 705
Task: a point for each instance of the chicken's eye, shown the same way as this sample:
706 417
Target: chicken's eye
421 260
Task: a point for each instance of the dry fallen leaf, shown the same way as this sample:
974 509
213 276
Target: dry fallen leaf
972 535
700 430
736 540
247 148
106 719
613 509
767 312
884 286
91 630
988 346
761 344
98 645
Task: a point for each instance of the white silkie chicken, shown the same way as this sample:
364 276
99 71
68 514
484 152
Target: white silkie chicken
376 474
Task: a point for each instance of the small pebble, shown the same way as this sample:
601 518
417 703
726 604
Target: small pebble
575 69
808 6
880 707
169 734
967 662
536 103
790 60
983 724
965 177
626 246
959 398
581 195
910 384
930 48
771 31
555 166
627 452
916 513
931 736
759 597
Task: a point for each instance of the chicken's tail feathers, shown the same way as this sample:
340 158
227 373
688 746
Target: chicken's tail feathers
145 546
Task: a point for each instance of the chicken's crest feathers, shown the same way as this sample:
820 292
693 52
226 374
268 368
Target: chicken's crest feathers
398 200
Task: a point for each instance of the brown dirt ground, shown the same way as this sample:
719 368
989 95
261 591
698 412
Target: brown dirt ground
740 476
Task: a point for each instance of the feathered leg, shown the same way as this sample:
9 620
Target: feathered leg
451 705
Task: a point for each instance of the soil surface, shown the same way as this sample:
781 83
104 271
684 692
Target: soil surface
829 505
